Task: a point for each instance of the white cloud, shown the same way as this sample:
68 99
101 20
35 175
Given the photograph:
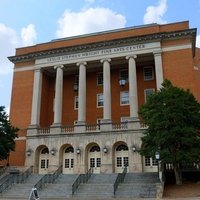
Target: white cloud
28 35
198 41
154 14
8 40
89 21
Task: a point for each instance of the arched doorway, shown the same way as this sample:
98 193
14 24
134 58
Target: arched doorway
44 161
95 158
121 158
68 160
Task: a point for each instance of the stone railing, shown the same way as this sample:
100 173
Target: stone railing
114 126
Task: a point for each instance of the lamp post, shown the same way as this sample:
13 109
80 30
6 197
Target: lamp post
157 156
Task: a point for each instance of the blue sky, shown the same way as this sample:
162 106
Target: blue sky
29 22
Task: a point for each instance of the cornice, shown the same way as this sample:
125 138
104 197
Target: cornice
161 36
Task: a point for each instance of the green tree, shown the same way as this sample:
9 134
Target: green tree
172 116
8 134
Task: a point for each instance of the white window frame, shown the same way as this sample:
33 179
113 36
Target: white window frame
98 78
76 103
146 91
145 77
120 77
99 106
121 100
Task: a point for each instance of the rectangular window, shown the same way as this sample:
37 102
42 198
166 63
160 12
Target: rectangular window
76 103
147 161
66 163
148 73
100 78
119 161
126 163
99 100
92 162
124 75
125 98
98 162
148 92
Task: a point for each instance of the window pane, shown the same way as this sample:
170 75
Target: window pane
148 92
66 163
119 161
124 75
98 162
100 100
100 78
76 102
124 98
148 73
92 162
147 162
126 162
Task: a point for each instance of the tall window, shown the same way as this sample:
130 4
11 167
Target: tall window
99 100
148 73
76 103
125 98
124 75
148 92
100 78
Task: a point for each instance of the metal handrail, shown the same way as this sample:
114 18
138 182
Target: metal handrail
15 178
48 178
41 182
56 174
3 170
82 178
119 179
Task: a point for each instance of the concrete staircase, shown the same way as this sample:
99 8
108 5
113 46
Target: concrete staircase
138 185
22 189
62 187
98 186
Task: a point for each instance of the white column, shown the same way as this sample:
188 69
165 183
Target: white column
106 90
133 95
58 95
36 99
158 68
82 93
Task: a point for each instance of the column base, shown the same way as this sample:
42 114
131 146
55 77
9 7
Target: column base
134 123
80 127
106 125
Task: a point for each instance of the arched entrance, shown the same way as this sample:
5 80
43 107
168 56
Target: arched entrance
121 158
44 161
95 158
68 160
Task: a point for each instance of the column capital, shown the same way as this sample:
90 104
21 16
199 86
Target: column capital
131 56
106 59
157 53
59 66
81 63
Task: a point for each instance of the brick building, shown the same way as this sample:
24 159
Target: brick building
76 99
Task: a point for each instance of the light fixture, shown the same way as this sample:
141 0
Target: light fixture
122 82
157 155
134 148
75 86
53 151
105 150
28 152
78 151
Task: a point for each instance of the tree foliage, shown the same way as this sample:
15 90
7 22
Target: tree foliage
172 116
8 134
